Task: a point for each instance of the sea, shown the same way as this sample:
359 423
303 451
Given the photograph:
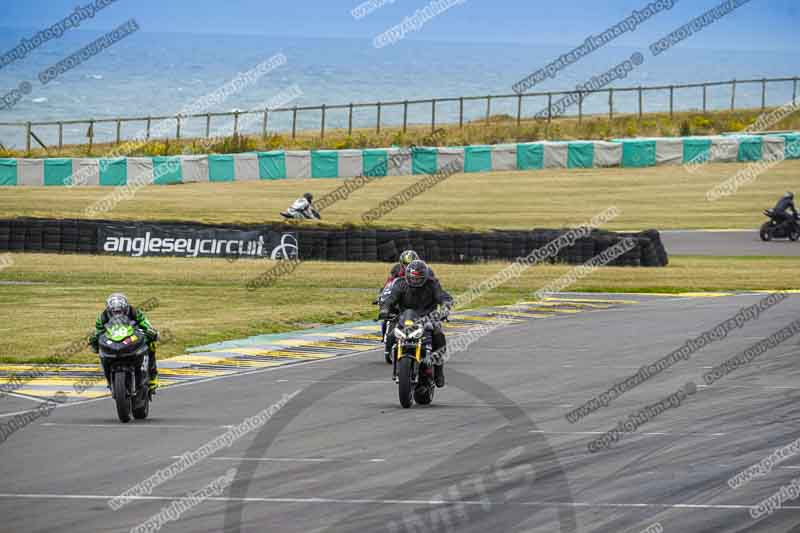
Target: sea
151 74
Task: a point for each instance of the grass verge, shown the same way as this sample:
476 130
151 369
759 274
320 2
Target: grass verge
50 301
664 197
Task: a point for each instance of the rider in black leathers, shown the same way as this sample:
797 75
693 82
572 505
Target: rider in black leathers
422 293
782 209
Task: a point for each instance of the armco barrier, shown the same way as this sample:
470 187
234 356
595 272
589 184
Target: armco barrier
373 162
353 244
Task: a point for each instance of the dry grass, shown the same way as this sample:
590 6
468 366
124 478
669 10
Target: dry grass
54 299
665 197
499 129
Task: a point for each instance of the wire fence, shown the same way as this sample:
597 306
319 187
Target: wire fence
395 114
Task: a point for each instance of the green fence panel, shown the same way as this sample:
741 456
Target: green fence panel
696 150
57 172
477 158
167 170
221 168
8 172
374 163
638 153
424 160
792 146
530 156
750 148
113 172
324 164
580 155
272 165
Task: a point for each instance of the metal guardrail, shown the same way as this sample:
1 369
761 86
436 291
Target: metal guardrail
379 106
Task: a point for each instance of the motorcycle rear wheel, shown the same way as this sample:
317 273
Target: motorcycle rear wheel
794 235
121 397
423 394
405 388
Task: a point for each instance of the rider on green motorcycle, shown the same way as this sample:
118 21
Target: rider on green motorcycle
117 305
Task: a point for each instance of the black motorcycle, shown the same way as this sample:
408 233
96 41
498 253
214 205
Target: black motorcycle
412 368
772 229
125 353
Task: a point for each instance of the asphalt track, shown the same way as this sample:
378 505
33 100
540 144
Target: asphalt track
726 243
493 453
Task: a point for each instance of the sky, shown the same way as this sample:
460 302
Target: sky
758 25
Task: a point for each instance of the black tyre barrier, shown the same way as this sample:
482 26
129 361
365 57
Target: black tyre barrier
359 244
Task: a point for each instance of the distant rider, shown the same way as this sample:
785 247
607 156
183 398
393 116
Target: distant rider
117 305
303 207
783 208
419 291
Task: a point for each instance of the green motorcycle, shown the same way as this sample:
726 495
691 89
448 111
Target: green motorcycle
125 354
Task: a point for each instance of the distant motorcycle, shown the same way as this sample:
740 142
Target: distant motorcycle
772 229
124 348
412 368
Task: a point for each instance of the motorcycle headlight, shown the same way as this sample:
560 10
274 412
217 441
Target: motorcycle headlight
399 333
417 333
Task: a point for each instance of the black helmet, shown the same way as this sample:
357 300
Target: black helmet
789 195
117 304
417 273
308 196
408 257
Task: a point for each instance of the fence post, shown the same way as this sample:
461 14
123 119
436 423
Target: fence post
519 109
488 108
178 128
794 92
89 133
28 138
433 115
705 98
119 125
580 108
208 125
235 123
350 120
378 121
671 102
60 136
733 95
549 107
322 124
611 103
264 124
763 94
641 103
405 115
147 135
294 122
461 112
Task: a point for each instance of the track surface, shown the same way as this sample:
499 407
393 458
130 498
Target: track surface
343 456
725 243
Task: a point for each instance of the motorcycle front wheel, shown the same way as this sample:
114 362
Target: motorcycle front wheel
122 398
765 233
405 388
794 235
